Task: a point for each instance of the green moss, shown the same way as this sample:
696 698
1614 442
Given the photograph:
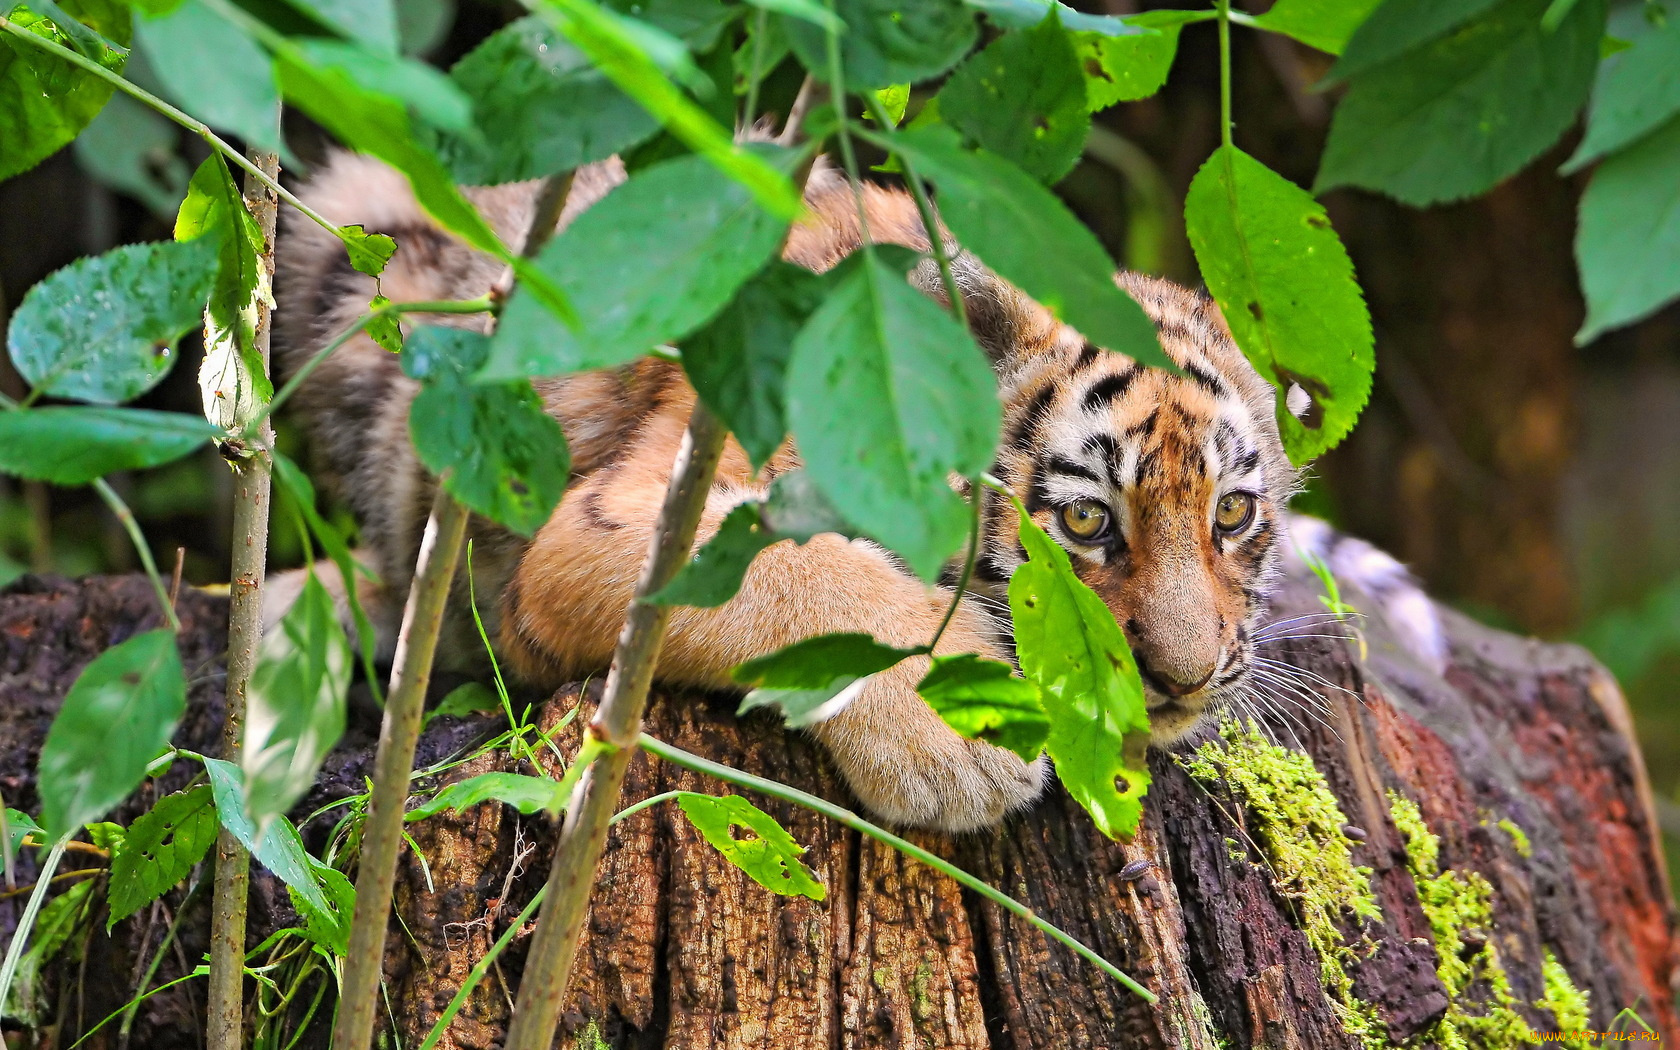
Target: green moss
1569 1004
921 1003
590 1038
1298 823
1519 837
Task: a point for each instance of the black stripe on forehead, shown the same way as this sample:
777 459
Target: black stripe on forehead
1205 379
1102 393
1023 434
1088 356
1062 465
1105 445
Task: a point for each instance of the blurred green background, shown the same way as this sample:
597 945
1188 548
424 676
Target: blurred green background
1530 482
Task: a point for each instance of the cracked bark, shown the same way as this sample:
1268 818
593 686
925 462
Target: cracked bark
682 951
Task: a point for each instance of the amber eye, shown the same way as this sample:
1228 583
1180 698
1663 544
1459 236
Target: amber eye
1235 511
1086 520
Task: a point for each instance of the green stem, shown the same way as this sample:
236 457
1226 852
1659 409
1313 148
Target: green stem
677 756
976 499
924 208
647 803
445 306
761 22
43 880
1223 9
192 124
126 518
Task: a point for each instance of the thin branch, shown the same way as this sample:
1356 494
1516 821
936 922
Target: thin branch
125 517
26 922
404 711
616 726
253 489
677 756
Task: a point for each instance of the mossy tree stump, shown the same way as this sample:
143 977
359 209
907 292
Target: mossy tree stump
1464 857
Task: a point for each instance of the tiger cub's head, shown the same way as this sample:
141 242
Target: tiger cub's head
1167 491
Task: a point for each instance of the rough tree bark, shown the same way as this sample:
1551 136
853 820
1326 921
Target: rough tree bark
1520 759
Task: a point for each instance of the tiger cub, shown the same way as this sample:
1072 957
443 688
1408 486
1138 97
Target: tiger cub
1168 491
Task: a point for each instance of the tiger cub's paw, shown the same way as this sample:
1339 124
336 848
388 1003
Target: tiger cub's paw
908 768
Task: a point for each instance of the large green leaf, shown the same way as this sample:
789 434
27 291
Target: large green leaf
1628 239
45 101
766 852
888 41
1023 98
233 383
1070 647
133 150
986 700
800 680
625 50
541 107
1460 113
1123 66
373 22
118 715
1324 24
100 329
432 97
73 445
1019 228
1396 27
649 264
278 848
296 704
493 444
738 362
162 846
889 396
1286 287
526 794
1638 90
210 67
1022 14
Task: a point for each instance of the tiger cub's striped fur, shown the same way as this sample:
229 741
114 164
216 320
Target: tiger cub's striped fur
1168 490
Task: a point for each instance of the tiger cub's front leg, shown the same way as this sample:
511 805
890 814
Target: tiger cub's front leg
563 610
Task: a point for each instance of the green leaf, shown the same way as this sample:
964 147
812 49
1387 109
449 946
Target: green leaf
162 846
279 848
1128 66
616 47
541 108
1022 14
795 510
493 444
105 834
369 252
87 42
328 927
1324 24
810 10
99 330
526 794
132 150
51 940
889 396
373 22
45 101
1022 231
432 97
766 853
986 700
209 66
1286 288
465 701
1397 27
19 826
1073 651
1023 98
802 679
232 379
738 362
715 573
649 264
1636 93
1628 238
73 445
889 41
118 715
296 704
385 329
1463 112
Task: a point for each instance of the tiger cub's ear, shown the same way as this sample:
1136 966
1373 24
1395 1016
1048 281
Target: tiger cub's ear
1009 326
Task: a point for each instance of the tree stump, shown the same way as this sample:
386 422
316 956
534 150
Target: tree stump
1495 819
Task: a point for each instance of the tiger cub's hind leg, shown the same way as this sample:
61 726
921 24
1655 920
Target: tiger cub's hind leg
561 616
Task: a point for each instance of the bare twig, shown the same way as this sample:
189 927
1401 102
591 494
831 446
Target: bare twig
615 728
251 492
175 579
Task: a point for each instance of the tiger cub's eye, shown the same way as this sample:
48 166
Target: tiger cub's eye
1235 511
1085 520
